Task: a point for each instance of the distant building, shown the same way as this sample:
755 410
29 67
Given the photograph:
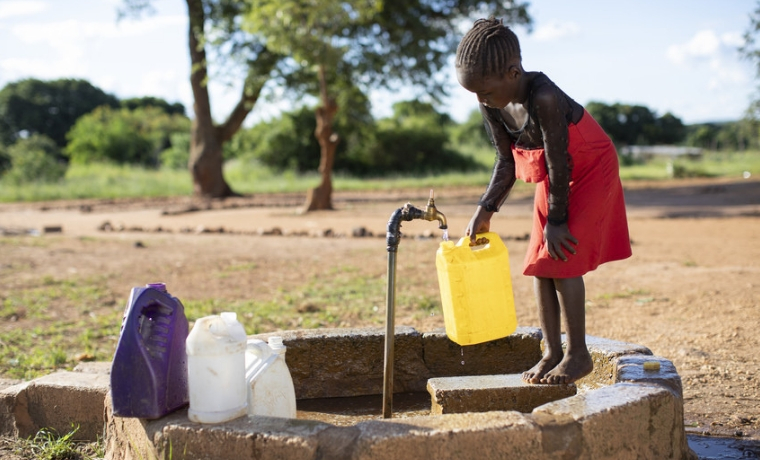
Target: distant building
646 152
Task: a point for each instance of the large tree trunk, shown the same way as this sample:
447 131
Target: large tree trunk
206 138
320 197
205 148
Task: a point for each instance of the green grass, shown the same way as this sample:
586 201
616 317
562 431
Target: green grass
110 181
326 300
49 445
712 164
90 330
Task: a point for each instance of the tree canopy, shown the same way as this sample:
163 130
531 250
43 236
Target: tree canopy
637 125
33 106
367 44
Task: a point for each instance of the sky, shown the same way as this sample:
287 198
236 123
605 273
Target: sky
677 56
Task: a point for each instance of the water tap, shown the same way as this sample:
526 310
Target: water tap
432 213
407 213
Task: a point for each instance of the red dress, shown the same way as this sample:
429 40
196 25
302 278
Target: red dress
596 208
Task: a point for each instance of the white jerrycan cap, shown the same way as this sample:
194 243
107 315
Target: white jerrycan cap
275 342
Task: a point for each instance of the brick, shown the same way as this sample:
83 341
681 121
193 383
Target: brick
621 421
453 395
482 436
61 401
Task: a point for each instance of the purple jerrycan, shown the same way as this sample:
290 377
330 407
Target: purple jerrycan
149 369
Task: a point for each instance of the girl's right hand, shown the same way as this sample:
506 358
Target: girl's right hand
480 223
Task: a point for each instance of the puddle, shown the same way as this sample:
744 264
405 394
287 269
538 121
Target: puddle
715 448
352 410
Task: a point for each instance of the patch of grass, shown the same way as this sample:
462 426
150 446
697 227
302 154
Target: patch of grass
711 164
49 445
102 181
627 294
57 343
114 181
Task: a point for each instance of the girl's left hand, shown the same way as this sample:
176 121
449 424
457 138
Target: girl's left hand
557 238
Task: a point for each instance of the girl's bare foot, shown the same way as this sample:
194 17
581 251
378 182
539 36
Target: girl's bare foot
537 372
573 366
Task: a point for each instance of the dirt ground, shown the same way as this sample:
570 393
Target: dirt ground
690 293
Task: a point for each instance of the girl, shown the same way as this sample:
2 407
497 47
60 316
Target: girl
543 136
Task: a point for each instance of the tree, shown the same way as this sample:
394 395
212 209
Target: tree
366 43
750 50
150 101
636 125
34 159
50 108
124 136
213 26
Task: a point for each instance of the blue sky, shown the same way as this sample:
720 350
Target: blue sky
675 56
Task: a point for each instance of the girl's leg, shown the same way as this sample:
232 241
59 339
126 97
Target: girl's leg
549 316
577 361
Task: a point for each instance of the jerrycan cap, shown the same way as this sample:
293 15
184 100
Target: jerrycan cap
229 317
275 342
157 286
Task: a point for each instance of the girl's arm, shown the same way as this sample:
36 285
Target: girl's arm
503 176
553 125
554 132
502 179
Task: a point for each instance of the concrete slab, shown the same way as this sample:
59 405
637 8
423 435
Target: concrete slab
617 422
649 369
605 352
482 393
61 401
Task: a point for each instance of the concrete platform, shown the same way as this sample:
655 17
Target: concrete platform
625 409
61 401
483 393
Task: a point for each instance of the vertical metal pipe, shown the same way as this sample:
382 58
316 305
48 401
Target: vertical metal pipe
390 336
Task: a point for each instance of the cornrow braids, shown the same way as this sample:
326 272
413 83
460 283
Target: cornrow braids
489 47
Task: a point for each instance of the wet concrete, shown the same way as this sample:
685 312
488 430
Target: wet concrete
715 448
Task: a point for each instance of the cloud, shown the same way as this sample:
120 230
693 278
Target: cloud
554 30
705 45
713 61
13 8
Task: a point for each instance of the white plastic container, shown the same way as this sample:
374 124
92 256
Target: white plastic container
270 386
216 369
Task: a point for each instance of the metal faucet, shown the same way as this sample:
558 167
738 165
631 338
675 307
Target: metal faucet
405 213
432 213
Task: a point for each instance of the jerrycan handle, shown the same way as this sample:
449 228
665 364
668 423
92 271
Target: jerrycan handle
486 240
256 354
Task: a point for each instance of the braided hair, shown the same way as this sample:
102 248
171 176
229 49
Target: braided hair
489 47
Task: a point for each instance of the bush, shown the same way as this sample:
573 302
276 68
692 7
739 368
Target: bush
413 149
5 160
178 155
34 159
413 141
124 136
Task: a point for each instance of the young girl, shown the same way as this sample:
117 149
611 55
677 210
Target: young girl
543 136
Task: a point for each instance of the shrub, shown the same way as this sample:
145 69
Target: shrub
35 159
177 155
124 136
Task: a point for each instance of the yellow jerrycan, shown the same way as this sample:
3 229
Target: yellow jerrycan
476 290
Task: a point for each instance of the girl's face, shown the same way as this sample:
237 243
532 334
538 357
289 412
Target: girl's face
495 91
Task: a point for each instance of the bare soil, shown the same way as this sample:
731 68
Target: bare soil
690 293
